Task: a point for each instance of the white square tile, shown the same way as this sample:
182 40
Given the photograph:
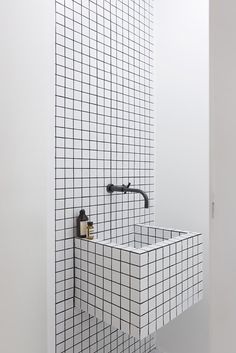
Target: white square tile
116 277
134 295
116 265
166 318
173 270
166 262
124 326
116 322
159 288
117 301
166 296
134 331
107 251
135 320
115 310
159 265
144 271
166 274
151 292
152 256
152 303
107 262
152 268
135 282
125 280
126 293
134 271
135 259
144 295
144 320
135 308
107 318
116 254
126 303
152 327
107 296
124 267
143 259
144 332
152 280
159 323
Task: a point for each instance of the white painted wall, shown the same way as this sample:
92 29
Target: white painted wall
26 91
27 100
181 54
223 175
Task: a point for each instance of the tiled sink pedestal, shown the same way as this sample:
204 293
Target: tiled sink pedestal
142 284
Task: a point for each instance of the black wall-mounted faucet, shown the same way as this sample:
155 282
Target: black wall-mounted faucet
123 188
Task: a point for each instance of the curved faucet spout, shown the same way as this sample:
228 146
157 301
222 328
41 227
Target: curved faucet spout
146 201
122 188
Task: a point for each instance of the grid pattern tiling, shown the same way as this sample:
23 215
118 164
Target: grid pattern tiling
145 235
139 290
104 124
104 134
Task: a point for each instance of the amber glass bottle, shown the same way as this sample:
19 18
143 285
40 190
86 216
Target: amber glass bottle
82 224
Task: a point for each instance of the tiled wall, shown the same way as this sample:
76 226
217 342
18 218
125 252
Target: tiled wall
104 134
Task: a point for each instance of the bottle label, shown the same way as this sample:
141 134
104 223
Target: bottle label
83 227
90 233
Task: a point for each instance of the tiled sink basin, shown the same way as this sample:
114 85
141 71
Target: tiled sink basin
143 284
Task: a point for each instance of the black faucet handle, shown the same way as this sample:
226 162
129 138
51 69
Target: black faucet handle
126 187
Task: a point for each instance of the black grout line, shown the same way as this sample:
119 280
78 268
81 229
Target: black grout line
74 225
64 165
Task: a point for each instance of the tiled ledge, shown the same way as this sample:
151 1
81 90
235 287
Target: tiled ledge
139 288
